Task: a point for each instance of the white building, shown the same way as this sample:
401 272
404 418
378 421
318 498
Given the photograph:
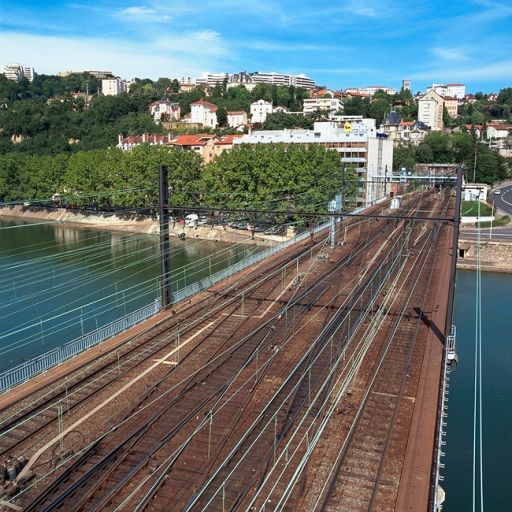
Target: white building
241 78
260 110
454 90
284 80
165 110
311 105
204 113
17 72
358 147
211 79
113 86
372 89
237 119
430 110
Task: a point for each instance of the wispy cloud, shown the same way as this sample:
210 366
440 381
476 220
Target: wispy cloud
286 46
49 54
361 8
451 54
142 14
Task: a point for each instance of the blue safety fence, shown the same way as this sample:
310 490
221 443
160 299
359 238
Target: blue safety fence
42 363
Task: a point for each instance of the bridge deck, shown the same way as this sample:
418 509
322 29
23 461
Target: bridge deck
298 383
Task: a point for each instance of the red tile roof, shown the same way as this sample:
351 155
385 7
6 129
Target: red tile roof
206 104
227 139
199 139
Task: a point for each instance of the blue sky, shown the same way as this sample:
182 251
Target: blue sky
340 44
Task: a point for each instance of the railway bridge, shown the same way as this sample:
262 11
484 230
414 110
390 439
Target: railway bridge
312 380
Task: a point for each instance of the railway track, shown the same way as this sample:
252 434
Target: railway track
230 388
237 356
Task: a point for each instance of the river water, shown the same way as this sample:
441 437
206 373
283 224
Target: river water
57 281
496 396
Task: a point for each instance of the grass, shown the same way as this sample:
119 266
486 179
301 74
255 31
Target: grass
495 223
470 209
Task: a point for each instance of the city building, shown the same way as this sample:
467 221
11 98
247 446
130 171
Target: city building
113 86
260 110
406 85
452 106
430 109
204 113
372 89
17 72
128 143
225 143
241 78
403 131
211 79
164 110
499 137
283 80
237 119
371 156
311 105
202 143
355 92
455 90
100 75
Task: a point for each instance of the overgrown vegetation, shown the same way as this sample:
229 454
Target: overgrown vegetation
269 176
460 148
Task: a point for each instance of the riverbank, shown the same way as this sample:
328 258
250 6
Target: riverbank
494 256
135 223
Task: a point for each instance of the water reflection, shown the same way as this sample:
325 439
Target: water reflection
58 281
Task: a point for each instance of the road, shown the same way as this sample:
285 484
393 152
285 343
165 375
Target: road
503 201
501 234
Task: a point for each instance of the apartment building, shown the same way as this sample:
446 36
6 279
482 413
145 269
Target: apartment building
16 72
430 110
370 155
237 119
113 86
454 90
311 105
211 79
164 110
452 106
128 143
204 113
372 89
260 110
284 80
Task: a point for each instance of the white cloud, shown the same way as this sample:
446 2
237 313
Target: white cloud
361 8
451 54
144 14
128 59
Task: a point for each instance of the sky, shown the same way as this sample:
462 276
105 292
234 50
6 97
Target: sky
340 44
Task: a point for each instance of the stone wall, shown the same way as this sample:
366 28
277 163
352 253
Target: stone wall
494 256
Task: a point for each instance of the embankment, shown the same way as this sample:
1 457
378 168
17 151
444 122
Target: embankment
494 256
129 222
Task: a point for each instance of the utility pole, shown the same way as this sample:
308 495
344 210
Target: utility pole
455 251
164 237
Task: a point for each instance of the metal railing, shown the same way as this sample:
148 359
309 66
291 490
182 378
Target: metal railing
58 355
42 363
438 496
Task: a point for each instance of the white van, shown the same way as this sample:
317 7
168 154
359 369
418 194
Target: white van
191 220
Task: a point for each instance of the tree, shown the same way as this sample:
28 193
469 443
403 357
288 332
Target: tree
378 109
222 116
439 143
